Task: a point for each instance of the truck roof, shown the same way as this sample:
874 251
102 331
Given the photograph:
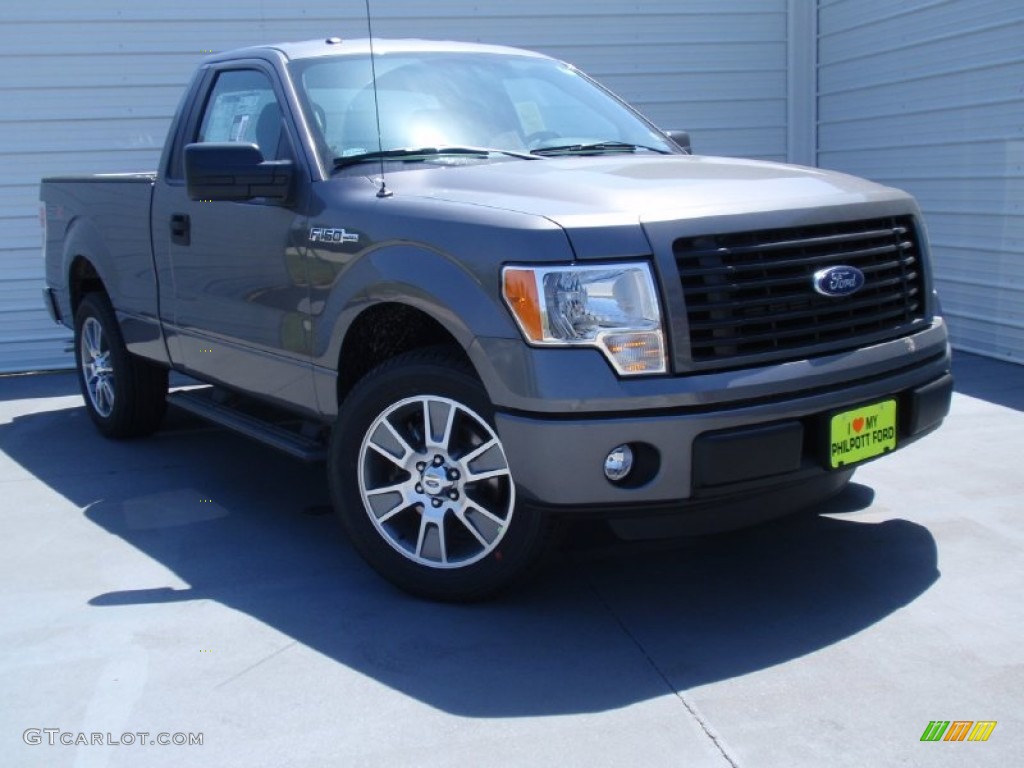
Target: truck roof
337 46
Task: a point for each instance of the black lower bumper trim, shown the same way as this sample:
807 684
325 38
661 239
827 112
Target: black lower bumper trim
930 404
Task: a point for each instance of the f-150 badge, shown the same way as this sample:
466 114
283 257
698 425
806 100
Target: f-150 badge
325 235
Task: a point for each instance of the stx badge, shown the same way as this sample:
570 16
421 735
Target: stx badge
324 235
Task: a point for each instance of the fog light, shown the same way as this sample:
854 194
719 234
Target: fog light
619 463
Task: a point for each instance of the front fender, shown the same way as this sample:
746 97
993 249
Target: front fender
419 277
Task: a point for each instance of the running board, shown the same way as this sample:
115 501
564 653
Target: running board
202 402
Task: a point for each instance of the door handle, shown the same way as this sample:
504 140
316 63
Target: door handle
181 229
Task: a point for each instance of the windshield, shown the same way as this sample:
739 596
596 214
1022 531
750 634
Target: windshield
503 102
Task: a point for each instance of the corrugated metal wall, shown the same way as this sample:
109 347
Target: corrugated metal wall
929 96
90 87
922 94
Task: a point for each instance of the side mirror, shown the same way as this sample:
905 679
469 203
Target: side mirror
235 171
681 139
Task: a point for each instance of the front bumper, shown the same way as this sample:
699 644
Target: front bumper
709 454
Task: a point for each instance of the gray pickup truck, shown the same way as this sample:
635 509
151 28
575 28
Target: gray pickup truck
492 295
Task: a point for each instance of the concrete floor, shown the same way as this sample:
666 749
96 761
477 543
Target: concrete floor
196 583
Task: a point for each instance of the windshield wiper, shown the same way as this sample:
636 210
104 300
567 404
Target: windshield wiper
595 148
424 153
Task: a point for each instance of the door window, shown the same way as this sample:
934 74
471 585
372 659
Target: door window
243 107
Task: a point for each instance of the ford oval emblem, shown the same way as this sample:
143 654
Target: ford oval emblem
838 281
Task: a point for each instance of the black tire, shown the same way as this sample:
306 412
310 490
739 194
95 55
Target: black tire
125 395
420 480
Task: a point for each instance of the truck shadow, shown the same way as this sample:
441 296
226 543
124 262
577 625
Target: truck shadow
19 386
603 626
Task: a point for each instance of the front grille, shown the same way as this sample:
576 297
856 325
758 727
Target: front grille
751 294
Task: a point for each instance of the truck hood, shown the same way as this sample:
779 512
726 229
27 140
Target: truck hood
617 190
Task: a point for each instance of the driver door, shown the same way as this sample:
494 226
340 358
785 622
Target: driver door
239 298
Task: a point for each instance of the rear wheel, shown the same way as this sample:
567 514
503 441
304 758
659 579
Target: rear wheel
124 394
421 481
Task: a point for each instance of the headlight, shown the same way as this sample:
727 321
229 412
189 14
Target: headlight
613 307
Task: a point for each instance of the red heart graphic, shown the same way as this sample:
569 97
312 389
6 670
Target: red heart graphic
858 424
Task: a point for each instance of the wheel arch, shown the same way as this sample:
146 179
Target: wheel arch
384 331
83 278
86 258
399 298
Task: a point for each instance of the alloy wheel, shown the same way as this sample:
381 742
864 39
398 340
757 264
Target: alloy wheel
96 367
435 482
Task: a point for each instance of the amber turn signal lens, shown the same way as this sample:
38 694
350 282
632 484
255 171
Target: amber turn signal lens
520 287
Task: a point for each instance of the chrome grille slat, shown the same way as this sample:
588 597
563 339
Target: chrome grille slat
750 295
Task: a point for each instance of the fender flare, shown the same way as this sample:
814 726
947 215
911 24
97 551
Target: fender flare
418 277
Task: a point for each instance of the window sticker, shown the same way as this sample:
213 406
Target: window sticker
241 122
232 116
530 117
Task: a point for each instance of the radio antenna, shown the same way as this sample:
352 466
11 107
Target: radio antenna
383 191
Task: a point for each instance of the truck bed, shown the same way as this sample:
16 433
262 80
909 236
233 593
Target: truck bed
106 216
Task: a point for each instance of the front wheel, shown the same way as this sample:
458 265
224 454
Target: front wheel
422 483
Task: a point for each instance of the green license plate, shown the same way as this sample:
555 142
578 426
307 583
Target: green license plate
862 433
